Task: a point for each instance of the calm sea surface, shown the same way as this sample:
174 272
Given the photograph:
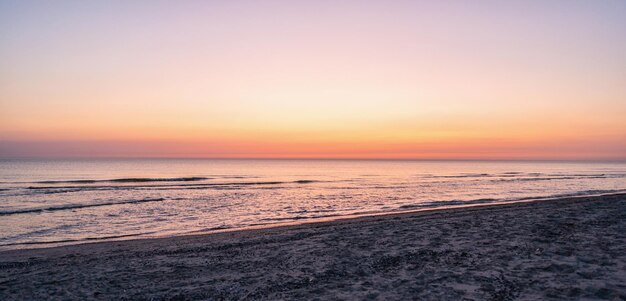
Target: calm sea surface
44 202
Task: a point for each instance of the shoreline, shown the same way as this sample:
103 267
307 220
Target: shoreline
564 248
295 223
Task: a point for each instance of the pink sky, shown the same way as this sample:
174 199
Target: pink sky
338 79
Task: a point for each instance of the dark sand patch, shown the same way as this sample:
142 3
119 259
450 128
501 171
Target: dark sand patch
573 248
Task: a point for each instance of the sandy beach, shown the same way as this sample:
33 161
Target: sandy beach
571 248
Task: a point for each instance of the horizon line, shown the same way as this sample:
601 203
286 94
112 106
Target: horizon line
590 160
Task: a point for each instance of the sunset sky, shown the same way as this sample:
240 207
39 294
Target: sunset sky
314 79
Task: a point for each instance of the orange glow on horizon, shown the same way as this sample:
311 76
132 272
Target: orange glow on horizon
429 80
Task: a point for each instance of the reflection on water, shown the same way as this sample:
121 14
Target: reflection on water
81 200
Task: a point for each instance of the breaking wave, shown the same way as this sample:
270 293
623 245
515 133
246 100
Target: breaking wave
78 240
77 206
127 180
198 185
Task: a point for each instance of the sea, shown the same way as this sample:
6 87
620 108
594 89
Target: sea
55 202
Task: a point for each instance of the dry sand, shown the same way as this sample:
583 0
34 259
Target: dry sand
556 249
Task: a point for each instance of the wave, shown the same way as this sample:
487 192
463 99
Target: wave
77 240
447 203
76 206
508 174
434 204
222 227
126 180
304 181
531 175
471 175
198 185
294 218
561 177
574 194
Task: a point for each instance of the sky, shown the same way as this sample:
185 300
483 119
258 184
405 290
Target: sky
314 79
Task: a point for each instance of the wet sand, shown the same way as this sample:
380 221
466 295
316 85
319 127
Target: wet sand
572 248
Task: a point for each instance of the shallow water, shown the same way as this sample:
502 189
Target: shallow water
69 201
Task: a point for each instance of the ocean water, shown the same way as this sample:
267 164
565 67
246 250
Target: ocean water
50 202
